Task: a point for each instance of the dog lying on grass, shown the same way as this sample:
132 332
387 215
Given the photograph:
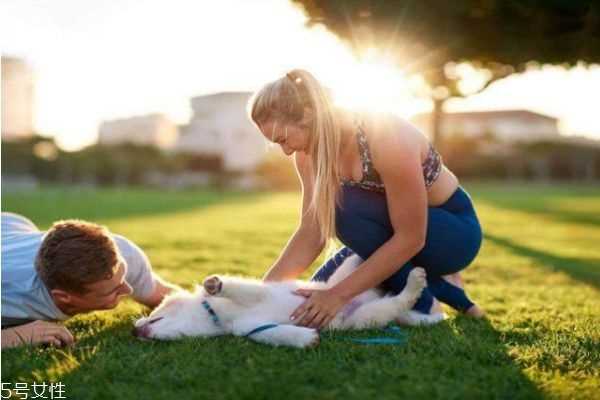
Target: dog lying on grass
261 310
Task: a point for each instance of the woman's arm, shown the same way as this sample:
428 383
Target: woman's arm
397 157
301 250
305 245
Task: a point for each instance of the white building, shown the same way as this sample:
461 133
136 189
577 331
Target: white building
16 98
508 126
152 130
220 127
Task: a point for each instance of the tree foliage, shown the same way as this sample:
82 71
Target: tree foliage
433 37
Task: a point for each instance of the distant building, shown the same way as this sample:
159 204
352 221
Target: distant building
151 130
17 99
508 126
220 127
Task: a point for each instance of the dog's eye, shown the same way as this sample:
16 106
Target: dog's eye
155 319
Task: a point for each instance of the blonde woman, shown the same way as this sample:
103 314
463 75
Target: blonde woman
379 186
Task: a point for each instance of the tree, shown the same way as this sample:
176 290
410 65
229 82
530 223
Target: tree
442 39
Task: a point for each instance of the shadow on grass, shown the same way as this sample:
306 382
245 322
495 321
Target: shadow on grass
583 269
47 205
478 355
459 359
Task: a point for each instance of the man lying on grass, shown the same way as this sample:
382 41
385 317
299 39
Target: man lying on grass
75 267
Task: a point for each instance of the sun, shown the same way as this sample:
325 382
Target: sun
373 84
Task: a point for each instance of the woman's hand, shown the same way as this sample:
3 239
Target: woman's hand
320 307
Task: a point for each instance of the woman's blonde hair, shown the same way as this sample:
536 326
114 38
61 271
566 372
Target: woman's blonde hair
286 100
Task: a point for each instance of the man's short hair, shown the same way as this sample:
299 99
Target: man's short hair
75 253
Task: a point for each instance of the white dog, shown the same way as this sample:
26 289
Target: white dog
261 311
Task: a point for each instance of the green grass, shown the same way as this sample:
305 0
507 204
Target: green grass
538 277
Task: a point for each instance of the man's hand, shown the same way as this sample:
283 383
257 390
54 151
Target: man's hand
37 332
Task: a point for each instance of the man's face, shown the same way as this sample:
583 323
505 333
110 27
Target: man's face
104 294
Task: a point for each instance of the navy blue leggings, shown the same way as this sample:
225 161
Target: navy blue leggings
452 242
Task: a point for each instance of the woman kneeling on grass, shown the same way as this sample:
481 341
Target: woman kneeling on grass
377 183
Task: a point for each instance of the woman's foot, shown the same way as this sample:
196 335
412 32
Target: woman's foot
456 279
475 312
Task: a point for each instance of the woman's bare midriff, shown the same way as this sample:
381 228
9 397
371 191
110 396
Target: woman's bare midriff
443 187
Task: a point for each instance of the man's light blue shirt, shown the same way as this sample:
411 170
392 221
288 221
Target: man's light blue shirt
25 297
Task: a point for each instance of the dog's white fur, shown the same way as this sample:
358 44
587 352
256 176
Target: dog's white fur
244 304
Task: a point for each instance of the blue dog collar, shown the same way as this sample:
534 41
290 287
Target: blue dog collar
217 321
261 328
212 313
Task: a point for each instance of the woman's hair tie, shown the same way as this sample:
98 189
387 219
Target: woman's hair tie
295 79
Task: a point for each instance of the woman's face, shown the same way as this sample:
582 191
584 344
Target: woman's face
292 137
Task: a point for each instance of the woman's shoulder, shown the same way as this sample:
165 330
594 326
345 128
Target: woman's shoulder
389 132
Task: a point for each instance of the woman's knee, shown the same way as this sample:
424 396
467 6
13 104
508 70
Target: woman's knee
451 243
361 228
361 235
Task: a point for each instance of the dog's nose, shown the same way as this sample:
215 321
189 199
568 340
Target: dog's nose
141 331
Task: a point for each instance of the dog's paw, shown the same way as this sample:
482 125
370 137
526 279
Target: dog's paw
417 280
315 341
213 285
306 338
415 318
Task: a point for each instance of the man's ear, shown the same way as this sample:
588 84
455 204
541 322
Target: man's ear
62 296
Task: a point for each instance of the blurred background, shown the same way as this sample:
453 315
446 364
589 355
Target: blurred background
154 93
132 114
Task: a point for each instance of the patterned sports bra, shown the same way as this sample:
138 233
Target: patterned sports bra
432 166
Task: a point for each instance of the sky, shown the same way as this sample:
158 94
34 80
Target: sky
106 59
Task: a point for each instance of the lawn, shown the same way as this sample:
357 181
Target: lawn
538 277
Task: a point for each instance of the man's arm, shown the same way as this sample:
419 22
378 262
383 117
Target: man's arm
148 288
161 289
36 332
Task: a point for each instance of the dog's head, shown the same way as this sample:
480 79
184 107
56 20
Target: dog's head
180 314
